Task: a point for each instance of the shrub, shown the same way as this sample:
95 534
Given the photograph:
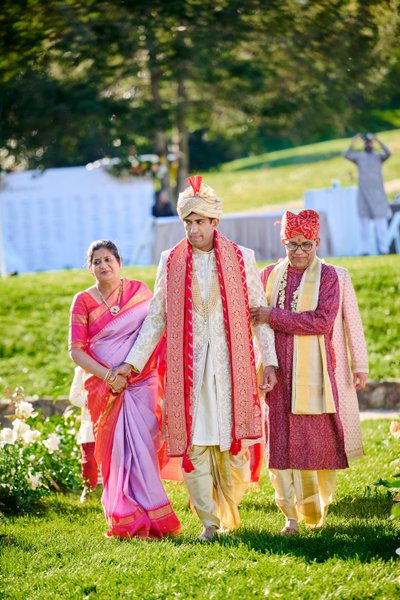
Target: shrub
38 456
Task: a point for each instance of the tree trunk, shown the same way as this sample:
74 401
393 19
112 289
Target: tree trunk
160 137
183 137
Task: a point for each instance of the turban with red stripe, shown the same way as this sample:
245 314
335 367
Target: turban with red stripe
306 223
199 198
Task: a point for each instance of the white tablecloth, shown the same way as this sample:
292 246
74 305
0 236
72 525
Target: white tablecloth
256 231
340 207
47 220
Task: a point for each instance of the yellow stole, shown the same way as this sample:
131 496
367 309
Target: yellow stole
311 386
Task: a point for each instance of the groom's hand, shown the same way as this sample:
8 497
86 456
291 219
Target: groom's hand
123 369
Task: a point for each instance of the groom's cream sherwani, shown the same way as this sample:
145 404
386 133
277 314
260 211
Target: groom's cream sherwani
219 479
212 407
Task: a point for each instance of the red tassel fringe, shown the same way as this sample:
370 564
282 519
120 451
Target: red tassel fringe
236 447
187 464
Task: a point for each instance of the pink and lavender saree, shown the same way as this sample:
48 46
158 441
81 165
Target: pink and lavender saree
126 428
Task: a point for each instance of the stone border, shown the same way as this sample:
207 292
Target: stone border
377 395
380 394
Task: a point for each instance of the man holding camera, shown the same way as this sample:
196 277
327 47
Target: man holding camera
371 197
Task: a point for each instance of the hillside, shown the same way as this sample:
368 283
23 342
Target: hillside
279 179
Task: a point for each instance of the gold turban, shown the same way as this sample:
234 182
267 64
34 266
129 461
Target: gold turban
199 198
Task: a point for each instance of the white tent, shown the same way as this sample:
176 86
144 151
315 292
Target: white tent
48 219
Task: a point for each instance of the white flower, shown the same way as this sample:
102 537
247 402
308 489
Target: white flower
24 410
20 427
52 443
34 480
31 436
68 413
8 436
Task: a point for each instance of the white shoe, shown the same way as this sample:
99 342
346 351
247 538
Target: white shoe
208 533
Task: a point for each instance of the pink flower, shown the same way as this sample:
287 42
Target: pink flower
395 429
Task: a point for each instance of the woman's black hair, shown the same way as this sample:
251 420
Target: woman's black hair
97 245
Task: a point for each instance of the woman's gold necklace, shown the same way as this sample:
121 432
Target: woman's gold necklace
115 308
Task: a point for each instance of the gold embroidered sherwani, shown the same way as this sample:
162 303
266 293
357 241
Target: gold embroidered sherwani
211 355
212 402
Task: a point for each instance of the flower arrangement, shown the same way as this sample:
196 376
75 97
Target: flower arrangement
37 456
135 165
393 485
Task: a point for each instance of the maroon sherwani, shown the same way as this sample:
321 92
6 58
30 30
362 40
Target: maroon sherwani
304 442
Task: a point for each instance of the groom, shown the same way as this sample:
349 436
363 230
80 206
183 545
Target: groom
204 289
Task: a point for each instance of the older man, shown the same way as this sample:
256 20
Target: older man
203 291
305 443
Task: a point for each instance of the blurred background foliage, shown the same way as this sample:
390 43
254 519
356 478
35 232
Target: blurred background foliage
210 80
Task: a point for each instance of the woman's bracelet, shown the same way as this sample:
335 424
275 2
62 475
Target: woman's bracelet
112 379
107 375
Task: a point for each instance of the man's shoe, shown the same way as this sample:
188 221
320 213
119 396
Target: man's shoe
208 533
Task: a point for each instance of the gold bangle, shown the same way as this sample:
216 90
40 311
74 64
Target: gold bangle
107 375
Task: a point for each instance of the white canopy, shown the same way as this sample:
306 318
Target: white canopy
48 219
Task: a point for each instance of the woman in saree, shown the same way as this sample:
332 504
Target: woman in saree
105 320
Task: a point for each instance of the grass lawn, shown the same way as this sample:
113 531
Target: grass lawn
280 178
60 551
34 322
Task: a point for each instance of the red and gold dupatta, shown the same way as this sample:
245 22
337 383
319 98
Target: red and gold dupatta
179 384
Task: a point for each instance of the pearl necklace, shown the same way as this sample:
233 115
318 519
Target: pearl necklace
115 308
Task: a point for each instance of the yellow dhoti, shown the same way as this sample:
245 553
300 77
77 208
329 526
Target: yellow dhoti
217 484
304 495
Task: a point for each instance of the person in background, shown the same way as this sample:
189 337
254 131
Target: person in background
304 433
162 206
85 437
105 320
371 196
202 294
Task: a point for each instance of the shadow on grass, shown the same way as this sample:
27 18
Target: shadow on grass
59 504
360 528
350 507
289 160
344 542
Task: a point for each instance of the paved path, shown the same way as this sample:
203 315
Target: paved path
379 413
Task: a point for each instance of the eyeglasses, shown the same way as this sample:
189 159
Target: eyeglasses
305 246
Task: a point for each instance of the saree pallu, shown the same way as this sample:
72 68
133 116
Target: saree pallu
128 436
